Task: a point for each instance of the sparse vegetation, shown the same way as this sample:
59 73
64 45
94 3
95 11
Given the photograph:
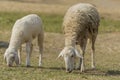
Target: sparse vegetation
107 45
109 25
53 22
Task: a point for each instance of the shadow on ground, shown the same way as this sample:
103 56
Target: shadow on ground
96 72
99 72
51 68
91 72
113 72
4 44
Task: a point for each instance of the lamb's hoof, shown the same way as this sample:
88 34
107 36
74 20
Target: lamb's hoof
40 65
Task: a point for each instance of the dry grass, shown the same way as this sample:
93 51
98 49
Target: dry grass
107 44
107 8
107 61
9 6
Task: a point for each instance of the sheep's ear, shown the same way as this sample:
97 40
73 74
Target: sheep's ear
61 53
16 59
77 53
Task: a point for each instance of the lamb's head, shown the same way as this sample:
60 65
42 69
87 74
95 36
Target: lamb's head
69 53
10 56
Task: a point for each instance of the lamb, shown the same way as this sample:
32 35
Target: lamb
80 24
24 31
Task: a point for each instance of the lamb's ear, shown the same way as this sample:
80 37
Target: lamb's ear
16 59
77 53
61 53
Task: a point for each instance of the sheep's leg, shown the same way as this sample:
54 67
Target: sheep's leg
82 68
28 51
93 53
40 44
92 57
19 54
83 47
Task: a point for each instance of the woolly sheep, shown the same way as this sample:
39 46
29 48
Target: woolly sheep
80 25
24 31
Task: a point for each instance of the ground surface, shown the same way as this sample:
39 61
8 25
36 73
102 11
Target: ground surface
107 43
107 61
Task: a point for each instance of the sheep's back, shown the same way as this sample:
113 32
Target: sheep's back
79 19
27 27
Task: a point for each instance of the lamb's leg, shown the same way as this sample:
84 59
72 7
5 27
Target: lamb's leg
19 54
40 44
28 51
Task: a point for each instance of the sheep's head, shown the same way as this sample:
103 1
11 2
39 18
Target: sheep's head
10 56
69 54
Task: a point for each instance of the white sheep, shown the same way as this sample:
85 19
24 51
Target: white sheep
24 31
80 24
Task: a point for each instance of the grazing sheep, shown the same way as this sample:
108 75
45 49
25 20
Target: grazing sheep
80 24
24 31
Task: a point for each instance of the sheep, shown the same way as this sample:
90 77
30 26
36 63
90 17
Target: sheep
24 31
80 24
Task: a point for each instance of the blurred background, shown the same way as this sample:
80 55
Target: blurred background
107 8
52 12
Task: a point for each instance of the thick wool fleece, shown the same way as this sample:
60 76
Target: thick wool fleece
25 29
80 21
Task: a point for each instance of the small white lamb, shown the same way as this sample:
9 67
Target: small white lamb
80 23
24 31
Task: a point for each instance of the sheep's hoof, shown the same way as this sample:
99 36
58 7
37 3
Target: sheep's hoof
82 70
9 65
78 68
18 65
68 71
40 65
93 67
28 66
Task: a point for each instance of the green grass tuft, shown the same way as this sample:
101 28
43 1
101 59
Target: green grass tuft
53 22
108 25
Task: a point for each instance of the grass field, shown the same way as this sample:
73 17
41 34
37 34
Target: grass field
107 61
53 22
107 43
